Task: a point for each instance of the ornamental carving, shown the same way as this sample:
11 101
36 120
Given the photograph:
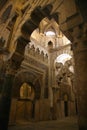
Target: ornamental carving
65 79
36 53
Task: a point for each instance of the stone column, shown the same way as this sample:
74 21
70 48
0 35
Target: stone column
80 56
5 100
52 87
50 81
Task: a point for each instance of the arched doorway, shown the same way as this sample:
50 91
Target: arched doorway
25 103
26 91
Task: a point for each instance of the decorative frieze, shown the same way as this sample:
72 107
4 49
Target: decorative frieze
36 54
64 78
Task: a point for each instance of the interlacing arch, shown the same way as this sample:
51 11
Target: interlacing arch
28 27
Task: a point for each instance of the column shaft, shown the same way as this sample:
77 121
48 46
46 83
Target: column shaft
5 102
80 56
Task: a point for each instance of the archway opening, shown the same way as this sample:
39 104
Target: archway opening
25 103
63 58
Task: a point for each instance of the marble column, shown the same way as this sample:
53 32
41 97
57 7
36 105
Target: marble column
5 101
80 56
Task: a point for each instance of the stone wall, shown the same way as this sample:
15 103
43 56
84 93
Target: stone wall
42 110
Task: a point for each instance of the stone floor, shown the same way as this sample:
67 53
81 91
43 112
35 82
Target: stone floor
63 124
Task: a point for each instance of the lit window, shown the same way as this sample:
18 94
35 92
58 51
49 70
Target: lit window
50 33
25 91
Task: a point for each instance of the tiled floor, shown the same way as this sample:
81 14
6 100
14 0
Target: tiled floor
63 124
